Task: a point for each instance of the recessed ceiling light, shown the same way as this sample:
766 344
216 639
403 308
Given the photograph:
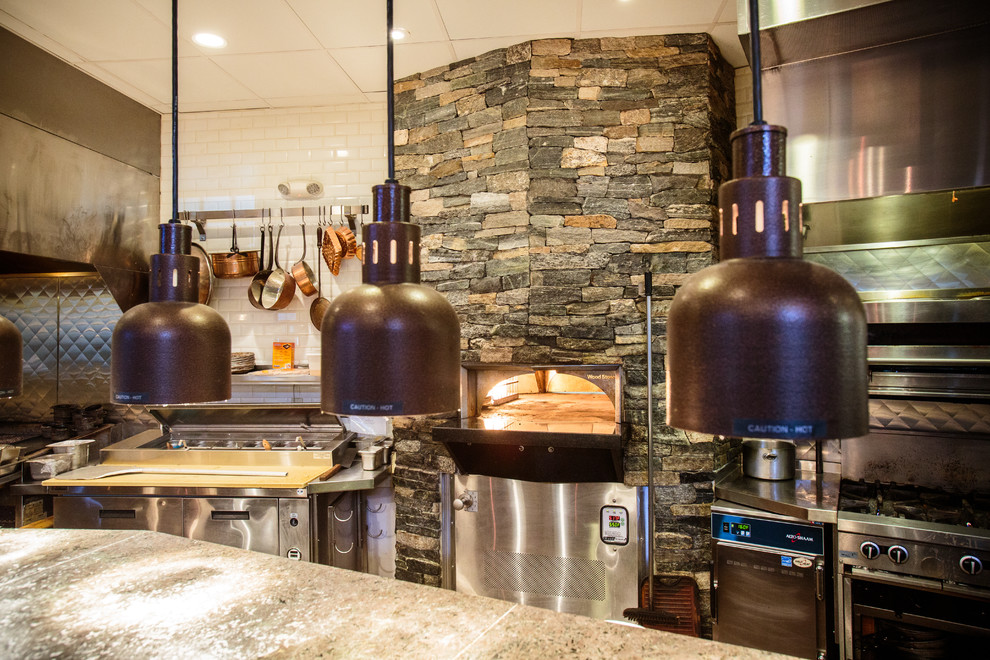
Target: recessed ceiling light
399 33
209 40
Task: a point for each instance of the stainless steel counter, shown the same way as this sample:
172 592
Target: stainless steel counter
808 496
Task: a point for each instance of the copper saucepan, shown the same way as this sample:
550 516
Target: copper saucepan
301 272
279 287
227 265
205 274
257 284
320 306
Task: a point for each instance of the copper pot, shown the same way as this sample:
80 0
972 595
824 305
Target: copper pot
301 272
228 265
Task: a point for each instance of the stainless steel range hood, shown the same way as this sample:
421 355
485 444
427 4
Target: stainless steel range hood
79 174
879 97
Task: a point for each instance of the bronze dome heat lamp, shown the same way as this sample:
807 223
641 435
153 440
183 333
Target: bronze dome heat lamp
171 349
765 344
390 346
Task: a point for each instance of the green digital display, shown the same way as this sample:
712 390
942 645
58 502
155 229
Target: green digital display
738 528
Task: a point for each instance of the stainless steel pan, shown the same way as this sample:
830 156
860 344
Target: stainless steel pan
257 284
320 306
279 287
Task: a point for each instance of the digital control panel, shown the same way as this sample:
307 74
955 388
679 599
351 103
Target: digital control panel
614 525
779 534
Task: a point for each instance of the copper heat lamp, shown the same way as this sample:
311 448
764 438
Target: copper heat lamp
171 349
765 344
390 346
11 359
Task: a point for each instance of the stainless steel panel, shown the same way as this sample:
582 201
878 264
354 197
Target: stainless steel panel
932 417
293 528
882 121
764 605
69 203
248 523
87 316
90 113
948 266
31 304
344 520
948 459
539 544
158 514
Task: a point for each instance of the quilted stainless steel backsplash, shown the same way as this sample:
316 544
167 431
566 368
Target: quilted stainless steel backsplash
66 323
950 266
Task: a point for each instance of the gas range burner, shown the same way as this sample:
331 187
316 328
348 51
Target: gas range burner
971 510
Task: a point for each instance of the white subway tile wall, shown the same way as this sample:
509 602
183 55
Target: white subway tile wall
744 96
235 160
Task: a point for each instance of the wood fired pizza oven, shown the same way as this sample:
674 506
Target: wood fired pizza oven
545 423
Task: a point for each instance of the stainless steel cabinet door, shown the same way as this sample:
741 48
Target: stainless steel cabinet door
158 514
764 604
541 544
245 522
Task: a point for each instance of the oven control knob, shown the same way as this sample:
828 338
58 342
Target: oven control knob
869 549
971 565
898 554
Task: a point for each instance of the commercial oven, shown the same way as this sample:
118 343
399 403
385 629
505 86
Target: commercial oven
772 582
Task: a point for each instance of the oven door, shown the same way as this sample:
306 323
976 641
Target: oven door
895 616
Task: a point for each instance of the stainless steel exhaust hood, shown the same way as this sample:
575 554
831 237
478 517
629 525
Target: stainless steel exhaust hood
79 174
879 97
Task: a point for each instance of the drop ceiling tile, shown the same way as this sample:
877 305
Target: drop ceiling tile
282 75
612 14
347 24
117 29
258 26
366 66
474 19
200 80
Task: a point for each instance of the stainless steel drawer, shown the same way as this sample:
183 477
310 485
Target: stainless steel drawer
158 514
243 522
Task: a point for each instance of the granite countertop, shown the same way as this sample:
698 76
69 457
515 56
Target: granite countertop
116 594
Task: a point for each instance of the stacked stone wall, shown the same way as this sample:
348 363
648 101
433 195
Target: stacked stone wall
547 178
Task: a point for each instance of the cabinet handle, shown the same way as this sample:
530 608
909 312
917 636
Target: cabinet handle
820 579
715 601
118 513
230 515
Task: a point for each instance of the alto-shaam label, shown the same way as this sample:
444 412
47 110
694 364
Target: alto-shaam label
776 428
373 407
130 397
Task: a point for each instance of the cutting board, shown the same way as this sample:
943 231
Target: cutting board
186 476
